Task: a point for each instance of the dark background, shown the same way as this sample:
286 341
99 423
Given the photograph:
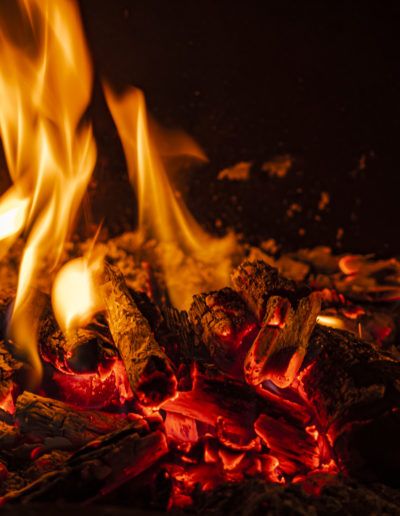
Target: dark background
252 80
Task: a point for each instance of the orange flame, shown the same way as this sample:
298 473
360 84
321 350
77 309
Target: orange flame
192 260
45 84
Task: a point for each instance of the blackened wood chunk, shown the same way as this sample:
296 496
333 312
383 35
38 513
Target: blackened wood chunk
223 324
256 282
355 391
40 419
280 347
148 368
97 469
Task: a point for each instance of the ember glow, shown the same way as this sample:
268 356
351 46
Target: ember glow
50 151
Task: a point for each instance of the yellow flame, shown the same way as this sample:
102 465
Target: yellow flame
331 321
188 254
45 87
74 296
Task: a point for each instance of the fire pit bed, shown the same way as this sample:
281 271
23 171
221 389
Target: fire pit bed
327 441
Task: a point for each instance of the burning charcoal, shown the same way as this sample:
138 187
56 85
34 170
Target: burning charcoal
214 402
98 468
42 420
287 314
295 448
354 390
279 349
223 324
148 367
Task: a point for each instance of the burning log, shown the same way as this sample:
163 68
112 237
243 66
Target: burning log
98 468
40 419
287 314
149 369
224 325
355 391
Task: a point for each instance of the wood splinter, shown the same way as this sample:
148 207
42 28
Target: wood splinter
149 370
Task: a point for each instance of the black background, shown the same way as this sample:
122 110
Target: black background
250 80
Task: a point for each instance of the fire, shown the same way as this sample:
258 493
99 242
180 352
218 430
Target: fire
74 297
191 259
45 84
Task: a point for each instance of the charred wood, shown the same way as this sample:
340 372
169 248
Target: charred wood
149 369
287 314
256 282
42 419
354 389
96 469
225 327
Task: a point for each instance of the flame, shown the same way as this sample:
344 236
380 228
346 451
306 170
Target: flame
45 86
191 259
331 321
74 295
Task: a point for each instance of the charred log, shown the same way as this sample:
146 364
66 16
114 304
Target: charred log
149 369
256 282
225 326
278 351
97 469
355 391
287 314
41 419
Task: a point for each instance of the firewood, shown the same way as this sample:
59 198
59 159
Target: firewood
287 313
224 325
279 349
97 469
40 419
256 282
149 369
354 389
